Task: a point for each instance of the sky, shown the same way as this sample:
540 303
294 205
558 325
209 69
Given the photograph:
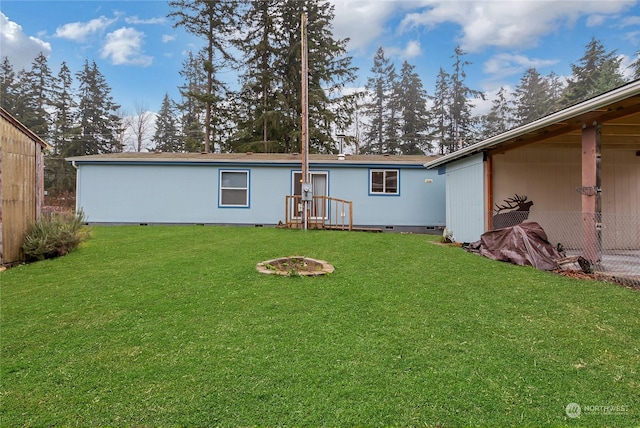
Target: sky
140 53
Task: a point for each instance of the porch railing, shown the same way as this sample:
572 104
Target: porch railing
324 212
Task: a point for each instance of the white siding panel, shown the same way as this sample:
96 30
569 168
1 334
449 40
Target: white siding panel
465 198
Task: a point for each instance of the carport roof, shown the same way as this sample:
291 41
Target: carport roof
617 111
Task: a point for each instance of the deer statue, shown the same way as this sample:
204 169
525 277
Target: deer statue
514 211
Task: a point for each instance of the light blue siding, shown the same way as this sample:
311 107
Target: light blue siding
465 190
189 193
418 203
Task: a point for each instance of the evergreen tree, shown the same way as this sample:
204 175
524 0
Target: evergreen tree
166 137
270 99
392 126
60 176
379 88
192 108
37 89
412 99
99 124
214 22
329 71
8 86
441 120
260 116
596 72
536 96
462 121
500 117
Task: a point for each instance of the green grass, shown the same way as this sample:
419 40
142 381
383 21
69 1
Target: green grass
174 326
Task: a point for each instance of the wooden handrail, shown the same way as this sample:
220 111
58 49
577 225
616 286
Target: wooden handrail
325 213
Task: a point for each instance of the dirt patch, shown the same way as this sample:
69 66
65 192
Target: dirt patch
295 266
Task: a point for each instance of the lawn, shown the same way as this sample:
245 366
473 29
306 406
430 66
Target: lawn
173 326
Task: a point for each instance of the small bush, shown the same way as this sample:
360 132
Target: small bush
55 236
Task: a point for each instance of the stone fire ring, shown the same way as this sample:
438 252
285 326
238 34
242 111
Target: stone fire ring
295 266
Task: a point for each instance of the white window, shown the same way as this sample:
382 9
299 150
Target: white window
234 188
383 181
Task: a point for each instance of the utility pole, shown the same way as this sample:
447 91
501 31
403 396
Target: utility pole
306 183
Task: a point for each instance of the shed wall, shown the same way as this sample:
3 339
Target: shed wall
465 196
20 158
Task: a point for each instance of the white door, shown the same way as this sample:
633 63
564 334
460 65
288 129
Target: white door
320 188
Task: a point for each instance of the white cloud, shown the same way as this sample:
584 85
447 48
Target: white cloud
596 20
362 21
412 50
124 47
78 31
168 38
509 23
18 47
503 65
136 20
629 21
625 66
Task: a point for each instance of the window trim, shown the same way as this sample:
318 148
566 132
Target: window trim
384 171
221 189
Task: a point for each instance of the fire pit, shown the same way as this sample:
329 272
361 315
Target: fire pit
295 266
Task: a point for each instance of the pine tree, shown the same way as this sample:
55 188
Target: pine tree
536 96
412 99
260 118
37 89
8 86
29 96
214 22
596 72
166 137
379 88
500 117
192 108
60 176
441 119
463 122
99 124
270 99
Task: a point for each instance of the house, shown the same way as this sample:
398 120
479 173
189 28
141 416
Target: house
579 169
393 193
21 185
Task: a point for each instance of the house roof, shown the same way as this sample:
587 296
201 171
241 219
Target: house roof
26 131
617 111
250 158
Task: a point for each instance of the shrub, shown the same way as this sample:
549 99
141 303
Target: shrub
55 236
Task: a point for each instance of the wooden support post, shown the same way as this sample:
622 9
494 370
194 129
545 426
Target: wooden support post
590 190
304 71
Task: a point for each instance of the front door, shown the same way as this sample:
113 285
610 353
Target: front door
320 191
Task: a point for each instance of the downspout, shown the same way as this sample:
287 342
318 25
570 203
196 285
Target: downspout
488 210
73 164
